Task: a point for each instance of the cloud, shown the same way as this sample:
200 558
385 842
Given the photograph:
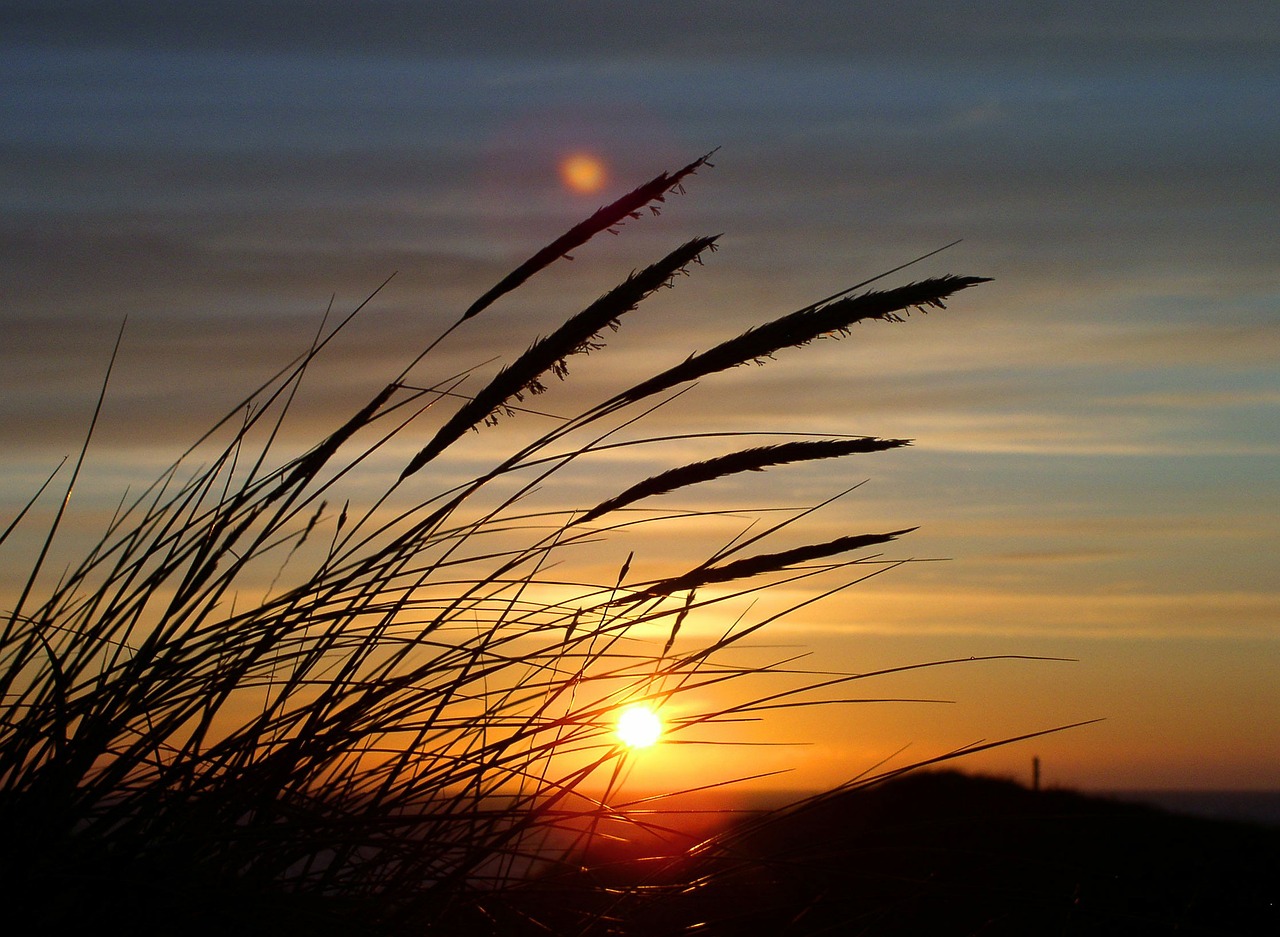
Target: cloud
1207 400
612 28
1098 614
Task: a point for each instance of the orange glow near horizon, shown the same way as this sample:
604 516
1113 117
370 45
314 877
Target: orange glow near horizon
639 727
583 173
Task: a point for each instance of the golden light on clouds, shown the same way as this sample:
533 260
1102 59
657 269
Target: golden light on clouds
583 173
639 727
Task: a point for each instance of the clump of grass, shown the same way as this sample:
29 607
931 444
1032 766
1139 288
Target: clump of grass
255 703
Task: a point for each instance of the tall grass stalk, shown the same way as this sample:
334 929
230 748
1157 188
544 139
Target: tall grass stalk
255 704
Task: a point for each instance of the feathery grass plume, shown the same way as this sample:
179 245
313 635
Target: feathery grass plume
578 335
756 459
606 218
800 328
762 563
239 712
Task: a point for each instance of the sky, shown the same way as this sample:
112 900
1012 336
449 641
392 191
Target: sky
1095 430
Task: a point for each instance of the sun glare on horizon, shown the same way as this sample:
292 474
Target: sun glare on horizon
583 173
639 726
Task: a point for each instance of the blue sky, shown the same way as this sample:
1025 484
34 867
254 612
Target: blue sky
1095 430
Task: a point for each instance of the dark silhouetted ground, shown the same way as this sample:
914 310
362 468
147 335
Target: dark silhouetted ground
941 853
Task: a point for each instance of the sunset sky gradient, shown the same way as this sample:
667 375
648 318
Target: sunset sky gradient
1095 431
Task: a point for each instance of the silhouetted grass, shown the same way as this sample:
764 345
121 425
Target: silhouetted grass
256 706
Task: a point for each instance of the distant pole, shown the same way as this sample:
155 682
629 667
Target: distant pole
1035 773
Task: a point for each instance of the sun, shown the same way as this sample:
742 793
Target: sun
639 726
583 173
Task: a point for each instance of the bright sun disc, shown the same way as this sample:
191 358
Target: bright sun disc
639 726
583 173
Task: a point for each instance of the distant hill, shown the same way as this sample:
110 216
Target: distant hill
942 853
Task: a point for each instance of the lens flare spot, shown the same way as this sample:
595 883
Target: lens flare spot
639 727
583 173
